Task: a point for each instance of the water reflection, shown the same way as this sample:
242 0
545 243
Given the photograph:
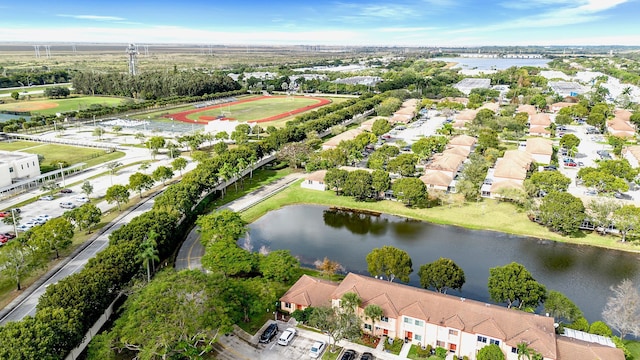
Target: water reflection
582 273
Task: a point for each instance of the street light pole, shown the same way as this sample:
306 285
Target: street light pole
62 172
13 217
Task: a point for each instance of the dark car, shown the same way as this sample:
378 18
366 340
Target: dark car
269 333
348 355
550 168
622 196
66 191
366 356
9 235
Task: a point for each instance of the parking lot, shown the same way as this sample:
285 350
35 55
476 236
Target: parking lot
231 346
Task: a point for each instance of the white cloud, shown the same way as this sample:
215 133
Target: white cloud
94 17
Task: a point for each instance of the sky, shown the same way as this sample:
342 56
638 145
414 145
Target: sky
341 22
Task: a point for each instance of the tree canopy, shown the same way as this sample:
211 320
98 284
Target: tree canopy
391 262
441 275
515 285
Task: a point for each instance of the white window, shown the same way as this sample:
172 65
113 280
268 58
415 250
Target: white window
417 337
453 332
419 322
494 342
482 339
384 319
407 320
287 305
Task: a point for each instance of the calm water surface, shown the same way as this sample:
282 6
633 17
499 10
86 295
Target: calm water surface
582 273
494 63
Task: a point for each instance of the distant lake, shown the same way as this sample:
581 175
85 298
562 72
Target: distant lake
493 63
582 273
7 117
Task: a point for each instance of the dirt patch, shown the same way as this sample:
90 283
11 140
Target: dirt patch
33 106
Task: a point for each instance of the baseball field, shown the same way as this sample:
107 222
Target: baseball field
53 106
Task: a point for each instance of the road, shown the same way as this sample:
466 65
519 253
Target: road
26 303
192 250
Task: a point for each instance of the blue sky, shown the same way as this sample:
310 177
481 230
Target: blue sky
342 22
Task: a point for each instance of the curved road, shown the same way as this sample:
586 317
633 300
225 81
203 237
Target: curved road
192 250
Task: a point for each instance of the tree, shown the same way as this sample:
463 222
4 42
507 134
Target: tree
223 224
403 164
602 181
441 275
17 259
409 190
140 182
87 188
279 265
513 284
427 146
155 143
490 352
84 216
600 213
15 95
358 184
380 126
294 153
622 310
349 302
337 324
51 187
373 312
162 174
619 168
54 235
380 182
626 219
118 194
224 256
335 179
562 212
113 169
523 350
600 328
98 132
570 142
148 252
328 267
487 139
179 164
561 307
390 262
144 166
546 181
200 156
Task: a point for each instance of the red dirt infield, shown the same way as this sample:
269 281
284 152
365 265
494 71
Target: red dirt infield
34 106
182 116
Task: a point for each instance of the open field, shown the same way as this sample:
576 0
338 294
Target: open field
55 152
53 106
253 109
485 215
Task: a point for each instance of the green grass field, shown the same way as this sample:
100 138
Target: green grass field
55 152
53 106
257 109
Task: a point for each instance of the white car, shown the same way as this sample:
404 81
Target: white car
67 205
82 199
316 349
287 336
46 197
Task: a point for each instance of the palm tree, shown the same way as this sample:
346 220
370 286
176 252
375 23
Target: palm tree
524 352
149 253
241 166
373 312
113 169
224 174
350 301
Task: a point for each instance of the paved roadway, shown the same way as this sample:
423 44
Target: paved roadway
26 303
192 250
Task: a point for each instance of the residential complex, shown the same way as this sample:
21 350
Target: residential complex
16 166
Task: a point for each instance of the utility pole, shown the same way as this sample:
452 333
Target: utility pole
62 172
13 217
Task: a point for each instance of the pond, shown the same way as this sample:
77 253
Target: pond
582 273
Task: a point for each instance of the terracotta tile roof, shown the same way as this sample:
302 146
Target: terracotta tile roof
436 178
538 130
458 150
529 109
459 100
620 125
446 161
520 157
573 349
633 150
470 316
560 105
623 114
463 140
316 175
466 115
540 119
509 170
367 125
539 146
400 118
491 106
353 168
406 111
310 291
347 135
459 124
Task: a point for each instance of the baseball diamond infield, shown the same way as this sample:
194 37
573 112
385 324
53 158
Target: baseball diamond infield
256 109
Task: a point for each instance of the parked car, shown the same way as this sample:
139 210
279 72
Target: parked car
561 128
287 336
37 221
4 214
67 205
316 349
550 168
44 217
571 164
348 355
622 196
66 191
591 192
82 199
366 356
9 235
46 197
269 333
3 239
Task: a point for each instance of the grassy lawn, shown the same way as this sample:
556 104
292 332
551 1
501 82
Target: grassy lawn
257 109
54 153
634 348
487 215
393 348
418 354
61 105
328 355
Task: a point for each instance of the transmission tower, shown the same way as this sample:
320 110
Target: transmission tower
36 48
132 51
47 51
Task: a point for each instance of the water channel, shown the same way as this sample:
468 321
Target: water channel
582 273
